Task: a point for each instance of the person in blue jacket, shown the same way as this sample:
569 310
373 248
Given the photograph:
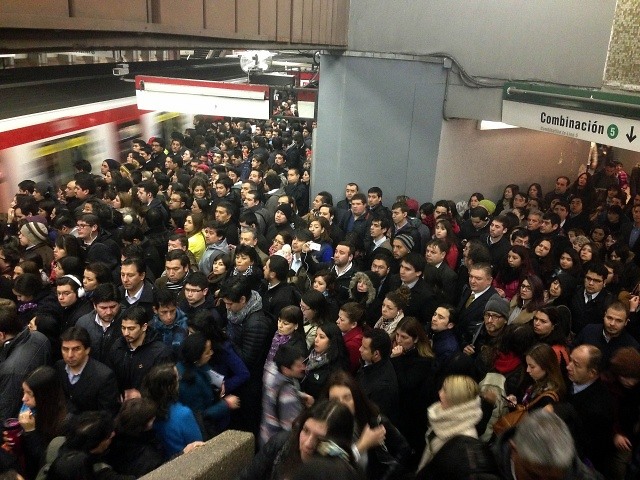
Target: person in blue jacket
199 385
175 425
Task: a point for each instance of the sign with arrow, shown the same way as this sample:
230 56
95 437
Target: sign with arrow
591 127
630 136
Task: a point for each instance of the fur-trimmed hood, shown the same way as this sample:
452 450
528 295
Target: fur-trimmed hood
370 279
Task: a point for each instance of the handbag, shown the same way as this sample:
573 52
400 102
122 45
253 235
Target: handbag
512 419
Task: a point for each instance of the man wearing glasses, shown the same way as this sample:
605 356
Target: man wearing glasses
496 313
98 245
589 302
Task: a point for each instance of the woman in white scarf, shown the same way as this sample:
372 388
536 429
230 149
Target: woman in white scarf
457 413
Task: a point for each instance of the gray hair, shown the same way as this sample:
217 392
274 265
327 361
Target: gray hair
543 439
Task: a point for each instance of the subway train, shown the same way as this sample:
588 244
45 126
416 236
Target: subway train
43 146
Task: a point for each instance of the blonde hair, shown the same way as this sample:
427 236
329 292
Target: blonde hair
460 389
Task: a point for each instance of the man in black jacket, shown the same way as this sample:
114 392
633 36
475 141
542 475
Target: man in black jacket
278 293
21 352
593 407
136 352
590 301
377 376
251 332
103 323
87 384
473 300
423 300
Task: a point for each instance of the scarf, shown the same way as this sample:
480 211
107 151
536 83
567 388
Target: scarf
315 360
253 304
389 326
448 423
276 343
247 272
506 362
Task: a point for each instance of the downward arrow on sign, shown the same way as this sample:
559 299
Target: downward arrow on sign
630 136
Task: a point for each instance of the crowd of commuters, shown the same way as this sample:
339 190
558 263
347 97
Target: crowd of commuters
198 286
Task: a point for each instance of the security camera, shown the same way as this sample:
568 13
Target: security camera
121 69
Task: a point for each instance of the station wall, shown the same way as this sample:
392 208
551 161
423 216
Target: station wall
486 161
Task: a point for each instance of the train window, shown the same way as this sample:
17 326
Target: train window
127 131
54 159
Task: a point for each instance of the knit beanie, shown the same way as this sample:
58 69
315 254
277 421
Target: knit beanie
407 240
286 210
488 205
625 362
497 304
35 232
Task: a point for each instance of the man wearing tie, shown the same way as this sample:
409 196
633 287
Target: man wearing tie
590 301
474 297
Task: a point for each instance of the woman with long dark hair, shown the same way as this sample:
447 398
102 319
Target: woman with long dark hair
512 271
583 187
328 355
65 246
285 452
42 416
548 385
413 360
551 328
195 390
248 264
445 231
175 424
543 260
506 201
224 360
316 312
382 448
529 299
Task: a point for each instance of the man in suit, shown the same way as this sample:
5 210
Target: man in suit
88 384
590 301
593 404
475 296
438 273
377 238
423 300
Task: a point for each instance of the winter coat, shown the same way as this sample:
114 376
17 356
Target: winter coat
130 366
178 430
101 340
18 357
172 335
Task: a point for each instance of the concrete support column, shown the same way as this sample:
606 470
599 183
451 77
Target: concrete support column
379 124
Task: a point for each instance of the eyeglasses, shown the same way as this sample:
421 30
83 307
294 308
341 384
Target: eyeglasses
492 316
192 290
82 225
525 287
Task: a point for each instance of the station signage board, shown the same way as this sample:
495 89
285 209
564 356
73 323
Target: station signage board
609 119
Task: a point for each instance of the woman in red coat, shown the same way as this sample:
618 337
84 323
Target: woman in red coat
350 317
